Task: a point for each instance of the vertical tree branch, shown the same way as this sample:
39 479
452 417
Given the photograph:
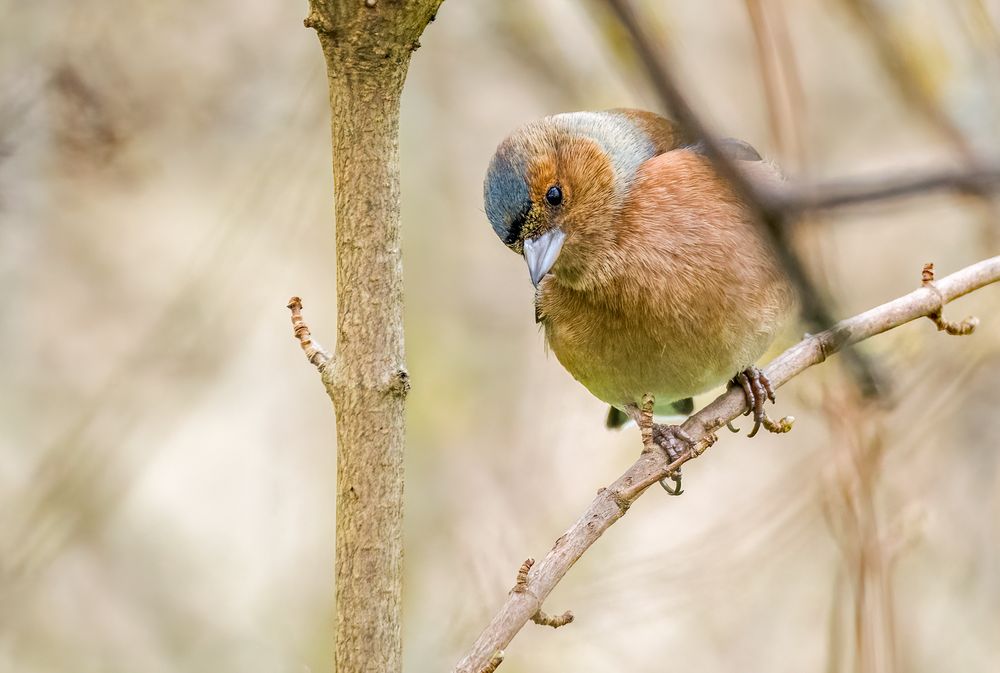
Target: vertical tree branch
367 45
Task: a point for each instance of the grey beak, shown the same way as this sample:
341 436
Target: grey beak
541 252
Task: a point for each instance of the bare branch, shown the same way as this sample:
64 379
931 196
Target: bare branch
612 502
555 622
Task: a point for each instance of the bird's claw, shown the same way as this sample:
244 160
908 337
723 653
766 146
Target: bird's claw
673 441
757 389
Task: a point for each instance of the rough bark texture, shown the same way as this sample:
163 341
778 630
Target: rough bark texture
367 45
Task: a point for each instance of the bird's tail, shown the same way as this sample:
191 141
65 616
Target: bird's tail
617 418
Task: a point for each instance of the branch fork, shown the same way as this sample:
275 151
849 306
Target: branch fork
964 328
540 617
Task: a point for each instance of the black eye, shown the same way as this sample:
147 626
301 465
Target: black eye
554 196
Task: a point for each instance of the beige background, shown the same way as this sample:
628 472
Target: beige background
167 455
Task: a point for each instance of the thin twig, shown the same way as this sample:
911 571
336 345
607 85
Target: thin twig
555 622
521 584
315 353
855 191
612 502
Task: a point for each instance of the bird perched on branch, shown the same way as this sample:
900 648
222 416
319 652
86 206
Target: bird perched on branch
653 281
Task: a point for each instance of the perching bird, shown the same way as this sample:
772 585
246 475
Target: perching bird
652 277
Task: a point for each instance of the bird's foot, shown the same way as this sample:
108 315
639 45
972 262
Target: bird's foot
670 439
757 389
673 441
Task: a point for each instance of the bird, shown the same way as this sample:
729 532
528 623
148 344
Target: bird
653 280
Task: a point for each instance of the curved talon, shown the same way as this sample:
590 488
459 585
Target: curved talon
766 384
757 389
732 428
673 441
743 380
676 478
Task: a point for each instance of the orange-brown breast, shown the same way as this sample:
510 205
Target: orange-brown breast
688 296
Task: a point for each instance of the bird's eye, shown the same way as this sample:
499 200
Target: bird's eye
554 196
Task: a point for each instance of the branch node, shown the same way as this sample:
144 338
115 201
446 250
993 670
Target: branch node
620 500
315 353
318 22
831 341
704 445
399 386
555 621
494 662
963 328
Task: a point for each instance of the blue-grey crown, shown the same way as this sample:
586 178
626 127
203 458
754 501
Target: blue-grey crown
505 194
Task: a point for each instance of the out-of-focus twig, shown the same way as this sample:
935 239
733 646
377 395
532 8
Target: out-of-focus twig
612 502
779 75
851 513
877 25
855 191
910 82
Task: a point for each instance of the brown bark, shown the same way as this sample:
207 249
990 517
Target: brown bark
367 45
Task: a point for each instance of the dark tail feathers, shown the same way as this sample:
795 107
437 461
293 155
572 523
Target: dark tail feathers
617 418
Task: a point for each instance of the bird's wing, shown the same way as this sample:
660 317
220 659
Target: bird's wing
734 148
667 135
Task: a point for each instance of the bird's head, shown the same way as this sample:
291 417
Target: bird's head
556 186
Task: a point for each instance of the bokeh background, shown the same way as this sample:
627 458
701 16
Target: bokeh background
167 455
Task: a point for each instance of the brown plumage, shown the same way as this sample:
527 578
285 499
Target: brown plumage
652 277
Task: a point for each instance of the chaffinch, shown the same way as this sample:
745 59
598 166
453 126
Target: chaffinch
652 277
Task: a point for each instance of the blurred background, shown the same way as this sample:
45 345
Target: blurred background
167 455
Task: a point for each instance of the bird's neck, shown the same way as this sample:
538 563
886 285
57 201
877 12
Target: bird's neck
595 265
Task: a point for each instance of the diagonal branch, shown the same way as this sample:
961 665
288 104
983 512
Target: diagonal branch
612 502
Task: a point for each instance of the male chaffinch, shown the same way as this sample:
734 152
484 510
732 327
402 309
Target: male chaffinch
651 276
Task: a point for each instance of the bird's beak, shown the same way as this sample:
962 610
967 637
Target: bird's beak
541 252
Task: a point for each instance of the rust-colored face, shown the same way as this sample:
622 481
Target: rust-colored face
546 185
